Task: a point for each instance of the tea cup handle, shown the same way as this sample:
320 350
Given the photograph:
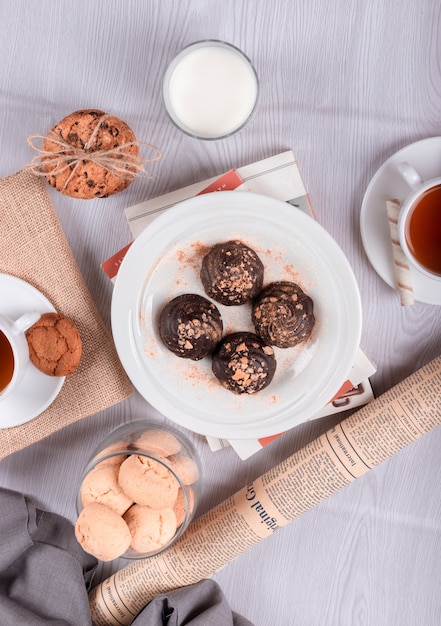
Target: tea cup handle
409 175
25 321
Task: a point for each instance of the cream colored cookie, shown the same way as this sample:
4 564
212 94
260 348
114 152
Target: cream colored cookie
160 442
101 485
151 529
185 468
102 532
148 482
179 506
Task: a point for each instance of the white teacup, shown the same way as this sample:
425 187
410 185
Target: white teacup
14 350
419 222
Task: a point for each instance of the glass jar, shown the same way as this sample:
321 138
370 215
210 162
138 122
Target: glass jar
145 477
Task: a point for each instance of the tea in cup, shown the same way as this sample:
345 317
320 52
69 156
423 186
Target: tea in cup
14 350
419 222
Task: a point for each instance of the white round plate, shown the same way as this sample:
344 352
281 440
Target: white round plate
425 157
36 391
164 261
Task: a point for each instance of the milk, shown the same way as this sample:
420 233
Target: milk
210 89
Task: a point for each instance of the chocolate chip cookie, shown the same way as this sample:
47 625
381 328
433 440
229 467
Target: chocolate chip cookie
73 145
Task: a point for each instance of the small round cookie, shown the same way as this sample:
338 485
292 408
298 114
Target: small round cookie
100 531
151 529
243 363
190 326
158 441
232 273
185 467
89 131
55 345
148 482
101 485
184 506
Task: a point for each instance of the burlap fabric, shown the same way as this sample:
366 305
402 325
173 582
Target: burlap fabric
33 247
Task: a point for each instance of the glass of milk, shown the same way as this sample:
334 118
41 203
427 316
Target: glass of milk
210 89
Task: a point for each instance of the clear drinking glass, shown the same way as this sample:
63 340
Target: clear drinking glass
210 89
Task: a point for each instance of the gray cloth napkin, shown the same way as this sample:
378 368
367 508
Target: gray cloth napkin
44 572
45 576
201 604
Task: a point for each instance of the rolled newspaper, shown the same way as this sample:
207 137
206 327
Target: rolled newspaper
336 458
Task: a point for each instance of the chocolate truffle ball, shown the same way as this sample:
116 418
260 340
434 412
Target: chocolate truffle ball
232 273
243 363
282 314
190 326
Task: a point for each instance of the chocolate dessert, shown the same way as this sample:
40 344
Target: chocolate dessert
243 363
232 273
283 315
190 326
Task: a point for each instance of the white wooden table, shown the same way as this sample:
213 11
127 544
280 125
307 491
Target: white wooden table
343 84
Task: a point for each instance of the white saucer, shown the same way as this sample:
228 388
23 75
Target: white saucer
425 157
36 391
